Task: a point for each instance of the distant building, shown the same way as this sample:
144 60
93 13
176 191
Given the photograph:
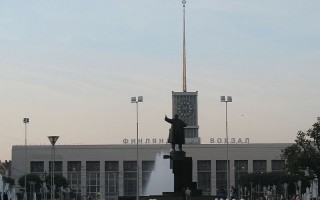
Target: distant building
5 168
110 171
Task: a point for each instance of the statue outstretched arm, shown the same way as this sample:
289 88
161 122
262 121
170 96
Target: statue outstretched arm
168 120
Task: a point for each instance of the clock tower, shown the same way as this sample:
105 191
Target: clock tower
184 103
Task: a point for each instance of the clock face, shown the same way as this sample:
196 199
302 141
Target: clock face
185 108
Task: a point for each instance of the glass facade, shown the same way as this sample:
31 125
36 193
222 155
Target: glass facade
112 171
204 176
221 177
130 178
74 178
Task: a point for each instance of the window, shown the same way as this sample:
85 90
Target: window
147 168
221 177
112 183
259 166
74 178
37 167
278 166
240 168
130 178
93 179
57 167
74 166
204 176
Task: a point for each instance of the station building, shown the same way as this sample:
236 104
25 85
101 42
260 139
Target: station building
110 171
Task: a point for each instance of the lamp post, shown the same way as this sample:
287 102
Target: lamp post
53 140
226 99
285 188
31 184
25 121
136 101
299 185
240 171
250 190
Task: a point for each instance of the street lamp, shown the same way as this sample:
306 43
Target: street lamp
31 184
285 188
227 99
136 101
53 140
299 185
240 171
25 121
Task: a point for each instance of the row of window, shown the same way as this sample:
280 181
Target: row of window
240 167
130 174
258 165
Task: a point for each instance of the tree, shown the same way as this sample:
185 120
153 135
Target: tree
304 155
31 177
8 180
59 181
278 179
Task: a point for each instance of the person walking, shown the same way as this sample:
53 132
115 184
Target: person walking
188 193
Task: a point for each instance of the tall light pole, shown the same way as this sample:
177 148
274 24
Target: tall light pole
53 140
227 99
136 101
25 121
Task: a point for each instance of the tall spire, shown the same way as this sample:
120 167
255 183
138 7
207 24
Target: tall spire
184 48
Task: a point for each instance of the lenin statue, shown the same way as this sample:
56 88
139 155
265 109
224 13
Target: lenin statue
176 133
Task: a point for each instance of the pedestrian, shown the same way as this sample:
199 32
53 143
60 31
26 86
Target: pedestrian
188 193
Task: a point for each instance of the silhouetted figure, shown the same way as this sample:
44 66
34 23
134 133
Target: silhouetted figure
176 133
188 193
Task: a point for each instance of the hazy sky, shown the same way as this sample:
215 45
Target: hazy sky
72 66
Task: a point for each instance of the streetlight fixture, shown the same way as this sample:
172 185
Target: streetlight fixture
25 121
226 99
53 140
136 101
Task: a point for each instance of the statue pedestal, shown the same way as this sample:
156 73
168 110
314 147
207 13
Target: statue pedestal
182 169
177 155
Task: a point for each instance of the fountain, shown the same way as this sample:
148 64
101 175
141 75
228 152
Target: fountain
161 178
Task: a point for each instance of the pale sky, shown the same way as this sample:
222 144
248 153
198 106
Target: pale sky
71 66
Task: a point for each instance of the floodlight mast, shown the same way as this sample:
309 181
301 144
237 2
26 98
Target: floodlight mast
25 121
137 101
226 100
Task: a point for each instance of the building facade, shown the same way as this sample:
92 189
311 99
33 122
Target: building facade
110 171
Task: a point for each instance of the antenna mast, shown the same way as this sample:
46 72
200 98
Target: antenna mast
184 48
